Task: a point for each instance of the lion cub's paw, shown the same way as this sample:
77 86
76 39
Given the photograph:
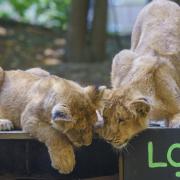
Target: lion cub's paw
174 124
64 161
6 125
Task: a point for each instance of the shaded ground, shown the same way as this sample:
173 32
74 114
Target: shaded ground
23 46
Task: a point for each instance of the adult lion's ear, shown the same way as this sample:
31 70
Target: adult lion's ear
140 107
95 93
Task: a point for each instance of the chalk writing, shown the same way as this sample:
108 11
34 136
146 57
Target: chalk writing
170 160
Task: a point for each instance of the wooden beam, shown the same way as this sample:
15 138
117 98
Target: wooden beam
14 135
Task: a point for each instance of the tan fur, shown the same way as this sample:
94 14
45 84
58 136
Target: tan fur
28 99
146 79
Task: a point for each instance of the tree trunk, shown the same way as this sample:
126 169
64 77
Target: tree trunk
76 36
98 41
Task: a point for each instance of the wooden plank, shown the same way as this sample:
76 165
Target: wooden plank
14 135
23 135
121 167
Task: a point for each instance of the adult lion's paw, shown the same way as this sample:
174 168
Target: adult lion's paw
6 125
63 160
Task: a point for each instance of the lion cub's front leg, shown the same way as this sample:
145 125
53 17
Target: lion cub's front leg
6 125
61 153
62 158
59 148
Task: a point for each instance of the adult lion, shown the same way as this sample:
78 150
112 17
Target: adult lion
146 79
58 112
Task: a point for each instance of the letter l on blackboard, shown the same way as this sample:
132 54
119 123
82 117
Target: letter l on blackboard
150 158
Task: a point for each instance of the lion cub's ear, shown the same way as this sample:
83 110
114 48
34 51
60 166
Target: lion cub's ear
140 106
60 113
95 93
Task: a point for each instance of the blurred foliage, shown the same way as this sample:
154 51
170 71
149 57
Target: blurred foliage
49 13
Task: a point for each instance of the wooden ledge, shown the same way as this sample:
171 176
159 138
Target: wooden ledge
18 134
14 135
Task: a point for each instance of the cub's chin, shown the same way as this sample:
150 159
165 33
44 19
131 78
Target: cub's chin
120 146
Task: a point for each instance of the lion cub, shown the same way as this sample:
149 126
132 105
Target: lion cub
146 79
58 112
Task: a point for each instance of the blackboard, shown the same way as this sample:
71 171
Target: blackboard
152 155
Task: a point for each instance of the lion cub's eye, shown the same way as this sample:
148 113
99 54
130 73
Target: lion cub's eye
120 120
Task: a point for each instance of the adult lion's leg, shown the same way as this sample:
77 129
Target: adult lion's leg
136 33
121 65
6 125
60 150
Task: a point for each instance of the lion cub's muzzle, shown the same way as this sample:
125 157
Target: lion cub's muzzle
80 137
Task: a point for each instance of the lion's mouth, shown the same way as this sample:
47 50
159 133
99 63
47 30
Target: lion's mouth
120 147
80 144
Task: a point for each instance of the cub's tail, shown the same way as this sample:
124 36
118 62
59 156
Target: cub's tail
1 76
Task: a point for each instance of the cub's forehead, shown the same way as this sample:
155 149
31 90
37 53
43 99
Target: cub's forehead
79 99
123 112
116 109
81 104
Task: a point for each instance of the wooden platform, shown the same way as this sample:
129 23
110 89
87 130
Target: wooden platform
23 157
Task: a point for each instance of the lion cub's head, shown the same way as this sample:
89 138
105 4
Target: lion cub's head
74 111
124 117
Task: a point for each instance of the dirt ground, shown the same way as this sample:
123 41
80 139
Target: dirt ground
23 46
